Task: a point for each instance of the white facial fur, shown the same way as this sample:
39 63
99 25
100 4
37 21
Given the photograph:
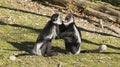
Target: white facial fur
58 21
69 22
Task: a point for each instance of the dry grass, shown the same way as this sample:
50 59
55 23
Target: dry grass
20 24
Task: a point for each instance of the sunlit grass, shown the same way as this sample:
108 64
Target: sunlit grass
18 33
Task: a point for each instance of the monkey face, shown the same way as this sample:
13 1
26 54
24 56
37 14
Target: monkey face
69 19
56 18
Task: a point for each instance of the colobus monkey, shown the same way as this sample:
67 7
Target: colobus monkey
50 31
71 35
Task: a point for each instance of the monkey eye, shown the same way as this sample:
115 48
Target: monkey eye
54 19
66 18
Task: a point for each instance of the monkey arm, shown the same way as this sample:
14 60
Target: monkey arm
66 34
59 36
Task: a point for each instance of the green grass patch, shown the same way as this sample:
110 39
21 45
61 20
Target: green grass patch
18 33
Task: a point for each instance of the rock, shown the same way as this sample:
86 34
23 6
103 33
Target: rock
102 48
12 58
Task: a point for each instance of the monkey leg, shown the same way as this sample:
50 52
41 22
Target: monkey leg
67 47
49 51
75 48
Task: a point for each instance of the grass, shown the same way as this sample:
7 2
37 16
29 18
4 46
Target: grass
19 28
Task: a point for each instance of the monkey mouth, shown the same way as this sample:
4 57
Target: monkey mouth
66 21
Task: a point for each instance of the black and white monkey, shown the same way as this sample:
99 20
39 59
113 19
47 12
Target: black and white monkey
71 35
50 31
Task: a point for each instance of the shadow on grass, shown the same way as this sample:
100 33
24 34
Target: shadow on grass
21 26
24 11
49 3
96 23
93 51
93 43
86 18
23 46
111 30
28 46
52 4
101 33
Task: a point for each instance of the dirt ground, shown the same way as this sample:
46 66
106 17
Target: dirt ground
85 23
